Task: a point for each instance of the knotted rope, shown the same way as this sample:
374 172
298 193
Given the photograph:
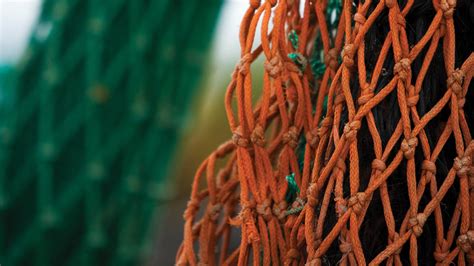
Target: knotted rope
330 132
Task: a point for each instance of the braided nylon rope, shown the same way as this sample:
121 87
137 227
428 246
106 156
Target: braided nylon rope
246 197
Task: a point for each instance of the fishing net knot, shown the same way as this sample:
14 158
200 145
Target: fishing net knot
191 209
417 222
350 130
244 64
213 211
402 68
455 82
325 125
312 196
264 209
279 209
348 55
408 147
258 136
359 18
274 66
413 98
462 165
341 205
448 8
379 165
247 216
330 59
312 137
339 99
345 247
239 140
365 96
429 167
357 202
466 241
291 137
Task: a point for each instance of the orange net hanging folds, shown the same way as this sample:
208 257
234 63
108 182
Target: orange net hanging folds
379 146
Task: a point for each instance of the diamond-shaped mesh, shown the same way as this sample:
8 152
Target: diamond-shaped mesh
366 157
89 121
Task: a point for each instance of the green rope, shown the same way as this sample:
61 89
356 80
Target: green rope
90 124
293 37
293 190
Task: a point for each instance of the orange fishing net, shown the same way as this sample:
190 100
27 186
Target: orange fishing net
241 214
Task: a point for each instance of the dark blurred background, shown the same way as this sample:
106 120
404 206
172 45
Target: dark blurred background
106 110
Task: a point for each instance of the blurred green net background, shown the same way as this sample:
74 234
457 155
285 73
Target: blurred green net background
103 120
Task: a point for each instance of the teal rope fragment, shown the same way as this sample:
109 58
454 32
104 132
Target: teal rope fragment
292 195
293 189
299 60
293 37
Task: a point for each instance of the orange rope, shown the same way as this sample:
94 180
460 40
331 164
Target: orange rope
248 194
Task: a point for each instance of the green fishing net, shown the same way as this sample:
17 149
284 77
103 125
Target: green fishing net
89 119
